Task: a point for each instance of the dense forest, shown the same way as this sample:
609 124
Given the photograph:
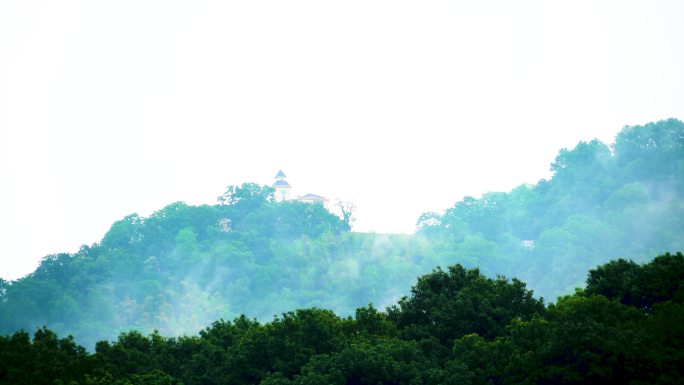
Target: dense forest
602 202
456 327
185 266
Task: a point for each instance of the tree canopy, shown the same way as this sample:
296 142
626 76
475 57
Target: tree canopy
184 266
602 202
456 327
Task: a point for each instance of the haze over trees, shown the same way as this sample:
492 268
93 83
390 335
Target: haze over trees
602 202
456 327
184 266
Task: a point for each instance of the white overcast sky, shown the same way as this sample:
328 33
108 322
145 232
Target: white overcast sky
113 107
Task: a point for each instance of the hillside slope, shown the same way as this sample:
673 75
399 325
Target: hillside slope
602 202
455 327
185 266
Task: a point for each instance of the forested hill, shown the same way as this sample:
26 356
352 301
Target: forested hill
455 327
185 266
602 202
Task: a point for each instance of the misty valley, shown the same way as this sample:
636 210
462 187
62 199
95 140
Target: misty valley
577 279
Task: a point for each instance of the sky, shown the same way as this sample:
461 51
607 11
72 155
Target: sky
109 108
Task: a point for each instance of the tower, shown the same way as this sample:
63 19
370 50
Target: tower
282 188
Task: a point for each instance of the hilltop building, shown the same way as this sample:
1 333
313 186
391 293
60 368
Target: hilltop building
313 198
283 188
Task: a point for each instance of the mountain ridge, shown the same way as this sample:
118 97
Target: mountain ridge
178 269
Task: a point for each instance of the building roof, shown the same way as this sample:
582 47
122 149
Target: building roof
312 197
280 174
281 183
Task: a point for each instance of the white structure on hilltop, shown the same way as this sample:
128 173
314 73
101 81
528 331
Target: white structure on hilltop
282 192
282 188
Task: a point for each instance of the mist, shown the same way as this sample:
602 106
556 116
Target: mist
183 267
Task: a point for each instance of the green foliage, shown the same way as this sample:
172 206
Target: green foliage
247 194
383 361
448 305
185 266
41 360
602 203
456 327
642 286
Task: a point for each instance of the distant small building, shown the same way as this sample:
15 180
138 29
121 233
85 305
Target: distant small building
224 225
283 188
313 198
527 244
